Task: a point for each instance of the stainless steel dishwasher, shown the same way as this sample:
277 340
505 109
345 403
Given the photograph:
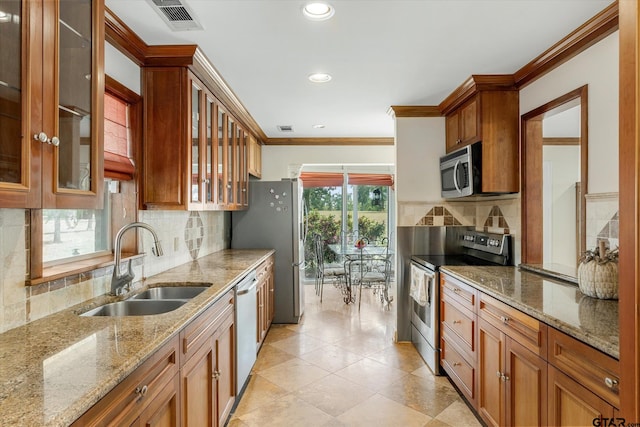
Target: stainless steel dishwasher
246 328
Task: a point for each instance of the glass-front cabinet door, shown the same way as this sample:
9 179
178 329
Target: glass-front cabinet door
211 154
51 103
221 158
19 66
230 162
74 68
195 177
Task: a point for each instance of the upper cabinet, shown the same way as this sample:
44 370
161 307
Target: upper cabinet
485 109
194 154
51 104
254 157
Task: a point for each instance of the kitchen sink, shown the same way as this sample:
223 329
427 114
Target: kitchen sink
135 307
170 292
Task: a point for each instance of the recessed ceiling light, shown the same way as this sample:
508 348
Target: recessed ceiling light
318 11
318 126
319 77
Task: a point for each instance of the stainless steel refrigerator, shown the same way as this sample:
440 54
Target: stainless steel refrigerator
275 220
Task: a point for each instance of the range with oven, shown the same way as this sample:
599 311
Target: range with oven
469 247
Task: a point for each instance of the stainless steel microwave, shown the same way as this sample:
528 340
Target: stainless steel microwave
461 171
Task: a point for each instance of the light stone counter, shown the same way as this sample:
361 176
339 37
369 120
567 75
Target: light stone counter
53 369
558 304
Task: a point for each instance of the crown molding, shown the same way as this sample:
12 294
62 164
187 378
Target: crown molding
329 141
118 34
473 85
414 111
585 36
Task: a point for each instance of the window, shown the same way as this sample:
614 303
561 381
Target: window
84 234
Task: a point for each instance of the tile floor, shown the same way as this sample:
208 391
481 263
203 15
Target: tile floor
340 367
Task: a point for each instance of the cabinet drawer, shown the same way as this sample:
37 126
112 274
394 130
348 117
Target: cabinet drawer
460 371
459 323
263 270
593 369
123 404
523 328
203 326
458 291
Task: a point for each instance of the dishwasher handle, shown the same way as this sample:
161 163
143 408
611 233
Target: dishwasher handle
254 283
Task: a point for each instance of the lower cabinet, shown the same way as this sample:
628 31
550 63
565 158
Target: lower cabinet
148 396
264 301
190 381
525 372
512 383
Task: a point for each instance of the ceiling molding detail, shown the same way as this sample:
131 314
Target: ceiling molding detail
474 84
588 34
329 141
414 111
118 34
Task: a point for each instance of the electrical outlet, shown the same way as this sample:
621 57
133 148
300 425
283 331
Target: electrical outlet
176 244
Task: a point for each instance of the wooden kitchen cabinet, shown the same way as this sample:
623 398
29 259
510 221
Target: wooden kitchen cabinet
148 396
265 303
194 152
486 109
254 157
208 367
458 344
512 369
51 104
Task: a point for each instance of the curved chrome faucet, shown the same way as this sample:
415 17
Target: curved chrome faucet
119 281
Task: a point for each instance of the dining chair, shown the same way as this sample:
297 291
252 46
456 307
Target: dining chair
334 271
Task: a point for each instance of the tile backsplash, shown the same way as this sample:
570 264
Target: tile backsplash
184 236
602 219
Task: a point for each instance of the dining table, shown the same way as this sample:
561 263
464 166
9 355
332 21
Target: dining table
355 258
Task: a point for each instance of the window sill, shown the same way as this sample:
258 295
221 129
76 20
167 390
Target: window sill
77 267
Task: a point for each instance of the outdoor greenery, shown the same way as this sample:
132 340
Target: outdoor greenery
330 198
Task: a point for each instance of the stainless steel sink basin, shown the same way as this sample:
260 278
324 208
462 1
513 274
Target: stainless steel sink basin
169 292
135 308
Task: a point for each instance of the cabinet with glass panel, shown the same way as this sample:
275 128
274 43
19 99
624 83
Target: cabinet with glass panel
191 158
51 103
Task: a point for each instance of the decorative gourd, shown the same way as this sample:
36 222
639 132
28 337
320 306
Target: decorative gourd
598 273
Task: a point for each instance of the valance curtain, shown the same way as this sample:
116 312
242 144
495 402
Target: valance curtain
379 179
321 179
117 164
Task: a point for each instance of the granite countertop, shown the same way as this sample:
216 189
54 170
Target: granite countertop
556 303
53 369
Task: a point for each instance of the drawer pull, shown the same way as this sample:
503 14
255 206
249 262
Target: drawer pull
611 383
504 378
142 391
457 364
504 319
457 322
498 374
216 375
456 290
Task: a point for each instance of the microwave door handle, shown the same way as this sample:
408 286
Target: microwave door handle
455 176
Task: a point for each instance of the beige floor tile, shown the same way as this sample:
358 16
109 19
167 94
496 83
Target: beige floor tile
365 343
421 394
270 356
382 412
277 333
458 414
401 356
236 422
330 333
288 411
426 373
299 344
437 423
371 374
334 395
259 392
331 358
293 374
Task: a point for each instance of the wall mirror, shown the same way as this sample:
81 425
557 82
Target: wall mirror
554 183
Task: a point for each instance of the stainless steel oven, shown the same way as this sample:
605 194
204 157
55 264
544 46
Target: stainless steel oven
475 248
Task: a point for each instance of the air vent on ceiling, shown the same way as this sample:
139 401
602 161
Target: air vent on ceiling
176 14
285 128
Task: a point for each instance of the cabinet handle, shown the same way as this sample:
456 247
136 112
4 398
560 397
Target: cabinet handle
457 322
504 319
456 364
504 377
458 141
42 137
216 375
498 374
611 383
142 391
206 181
456 290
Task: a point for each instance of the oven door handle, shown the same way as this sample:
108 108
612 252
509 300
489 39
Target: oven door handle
455 176
430 279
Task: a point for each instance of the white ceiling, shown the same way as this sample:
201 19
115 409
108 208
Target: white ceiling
379 52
